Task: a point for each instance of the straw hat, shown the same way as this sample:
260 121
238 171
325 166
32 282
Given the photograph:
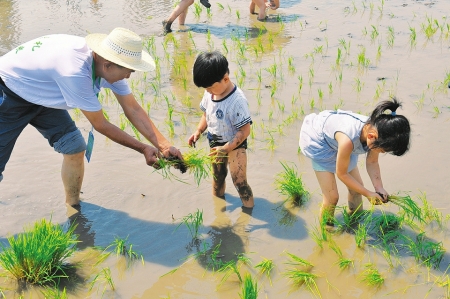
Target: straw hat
123 47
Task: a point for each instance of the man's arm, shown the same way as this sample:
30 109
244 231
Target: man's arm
137 116
100 124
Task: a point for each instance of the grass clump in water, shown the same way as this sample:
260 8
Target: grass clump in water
249 288
39 254
266 267
289 183
371 276
193 221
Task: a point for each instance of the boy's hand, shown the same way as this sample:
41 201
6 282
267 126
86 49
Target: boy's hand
194 137
218 152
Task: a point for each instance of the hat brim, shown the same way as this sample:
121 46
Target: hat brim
94 42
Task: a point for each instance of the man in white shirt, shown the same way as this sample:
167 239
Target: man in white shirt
42 78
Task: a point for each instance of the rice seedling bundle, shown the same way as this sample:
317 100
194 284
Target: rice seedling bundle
408 206
266 266
371 276
249 289
39 254
289 183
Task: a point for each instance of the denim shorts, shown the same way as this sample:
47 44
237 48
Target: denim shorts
55 125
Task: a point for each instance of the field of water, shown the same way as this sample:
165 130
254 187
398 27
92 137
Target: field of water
308 56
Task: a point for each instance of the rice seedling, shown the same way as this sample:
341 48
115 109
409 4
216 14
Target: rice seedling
377 58
121 247
361 234
371 276
249 288
291 66
233 267
290 184
412 37
105 277
429 252
385 224
429 28
271 141
351 219
193 221
391 37
358 86
339 105
299 278
300 83
298 261
197 10
430 213
374 34
39 254
238 14
408 206
53 293
265 267
220 6
363 61
436 112
343 263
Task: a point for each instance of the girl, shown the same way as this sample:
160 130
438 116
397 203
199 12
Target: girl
334 139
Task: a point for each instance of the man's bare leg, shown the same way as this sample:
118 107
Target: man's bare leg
72 173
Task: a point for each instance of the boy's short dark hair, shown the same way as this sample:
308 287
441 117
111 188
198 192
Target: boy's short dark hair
209 68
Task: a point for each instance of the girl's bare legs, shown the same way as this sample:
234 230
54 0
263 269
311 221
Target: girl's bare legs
327 182
179 11
237 160
220 172
355 203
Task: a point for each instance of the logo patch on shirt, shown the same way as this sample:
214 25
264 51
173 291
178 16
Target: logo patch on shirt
219 114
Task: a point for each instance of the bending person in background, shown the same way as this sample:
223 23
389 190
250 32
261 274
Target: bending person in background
42 78
334 139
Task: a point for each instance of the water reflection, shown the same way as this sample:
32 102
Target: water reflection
9 25
86 236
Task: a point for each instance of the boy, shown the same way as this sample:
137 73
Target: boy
227 118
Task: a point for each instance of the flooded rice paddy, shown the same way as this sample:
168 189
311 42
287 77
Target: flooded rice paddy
308 56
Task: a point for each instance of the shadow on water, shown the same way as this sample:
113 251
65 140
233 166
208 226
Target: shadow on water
97 226
232 30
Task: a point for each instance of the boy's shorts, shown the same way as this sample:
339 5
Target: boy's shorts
213 143
55 125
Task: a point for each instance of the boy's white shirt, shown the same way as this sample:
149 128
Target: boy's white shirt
226 116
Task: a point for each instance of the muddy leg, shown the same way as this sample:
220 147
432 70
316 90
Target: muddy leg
220 172
238 169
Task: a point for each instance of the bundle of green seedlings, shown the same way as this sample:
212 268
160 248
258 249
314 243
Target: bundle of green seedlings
39 254
195 161
121 247
289 183
302 277
249 288
408 206
193 221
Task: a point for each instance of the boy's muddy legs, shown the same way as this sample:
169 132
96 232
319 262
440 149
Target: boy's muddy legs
238 168
220 172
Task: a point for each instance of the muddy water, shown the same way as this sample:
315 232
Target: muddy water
124 198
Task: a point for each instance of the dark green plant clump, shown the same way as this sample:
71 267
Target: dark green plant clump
39 254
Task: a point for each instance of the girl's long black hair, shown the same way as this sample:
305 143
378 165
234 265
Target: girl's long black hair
393 129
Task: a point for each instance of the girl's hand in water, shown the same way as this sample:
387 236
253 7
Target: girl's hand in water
375 198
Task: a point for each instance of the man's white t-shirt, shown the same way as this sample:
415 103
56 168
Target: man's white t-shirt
55 71
226 116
